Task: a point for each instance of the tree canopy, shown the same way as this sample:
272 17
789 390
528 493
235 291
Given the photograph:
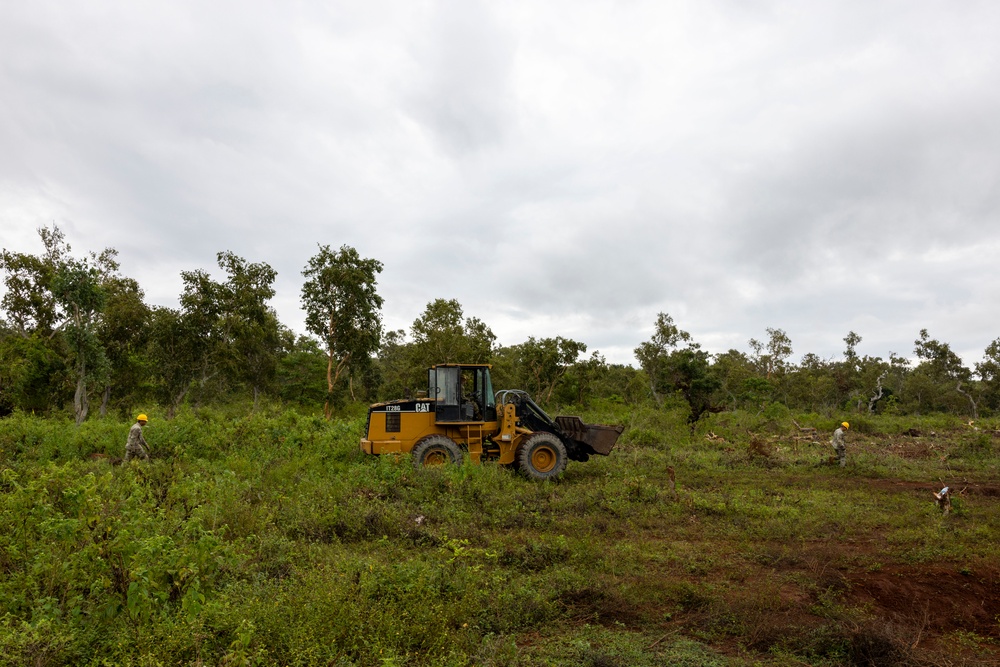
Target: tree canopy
343 309
74 327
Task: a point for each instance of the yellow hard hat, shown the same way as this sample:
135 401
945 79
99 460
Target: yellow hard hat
845 424
142 418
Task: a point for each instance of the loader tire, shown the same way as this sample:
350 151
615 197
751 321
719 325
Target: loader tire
541 456
436 450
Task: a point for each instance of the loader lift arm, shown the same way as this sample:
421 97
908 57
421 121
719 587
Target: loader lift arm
581 440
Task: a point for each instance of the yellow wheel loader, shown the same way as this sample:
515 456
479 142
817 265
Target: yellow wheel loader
460 413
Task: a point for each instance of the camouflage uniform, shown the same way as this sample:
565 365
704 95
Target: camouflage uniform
136 445
839 446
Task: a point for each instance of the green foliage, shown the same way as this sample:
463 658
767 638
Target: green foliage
269 538
988 371
79 293
301 372
30 369
684 371
74 328
543 363
123 331
29 303
264 536
227 328
771 358
56 295
443 334
343 309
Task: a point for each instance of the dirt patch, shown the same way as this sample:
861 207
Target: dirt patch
913 449
602 607
935 598
900 485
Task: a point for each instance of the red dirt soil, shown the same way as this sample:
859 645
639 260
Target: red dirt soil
937 598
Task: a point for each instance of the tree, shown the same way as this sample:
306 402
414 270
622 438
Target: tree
584 375
810 385
56 293
732 368
621 383
846 373
177 351
937 381
29 302
79 293
653 354
851 340
343 309
685 371
301 372
771 359
31 370
938 358
32 357
196 330
224 337
123 331
547 360
442 334
396 366
248 328
988 371
690 374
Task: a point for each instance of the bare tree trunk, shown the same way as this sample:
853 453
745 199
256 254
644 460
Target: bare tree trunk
174 404
878 392
975 411
105 399
80 403
327 406
332 375
652 389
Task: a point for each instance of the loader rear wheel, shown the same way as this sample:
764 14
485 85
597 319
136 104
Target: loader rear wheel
541 456
436 450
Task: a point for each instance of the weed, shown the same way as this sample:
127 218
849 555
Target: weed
269 539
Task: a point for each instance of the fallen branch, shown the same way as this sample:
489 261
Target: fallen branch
672 632
804 429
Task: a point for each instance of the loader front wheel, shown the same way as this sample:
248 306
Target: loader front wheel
542 456
436 450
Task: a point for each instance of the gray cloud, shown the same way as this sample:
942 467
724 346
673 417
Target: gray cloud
561 169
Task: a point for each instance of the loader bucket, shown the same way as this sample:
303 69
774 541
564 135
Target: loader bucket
598 437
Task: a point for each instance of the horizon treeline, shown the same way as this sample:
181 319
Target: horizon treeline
76 335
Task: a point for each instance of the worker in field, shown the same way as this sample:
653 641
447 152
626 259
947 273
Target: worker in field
136 445
838 443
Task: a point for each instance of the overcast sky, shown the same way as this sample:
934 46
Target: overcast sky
563 168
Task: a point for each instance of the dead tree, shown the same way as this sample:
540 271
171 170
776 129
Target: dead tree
975 411
879 392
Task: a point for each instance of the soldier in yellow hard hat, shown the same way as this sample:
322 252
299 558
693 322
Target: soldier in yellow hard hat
136 445
838 443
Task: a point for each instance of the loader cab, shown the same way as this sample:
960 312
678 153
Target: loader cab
461 393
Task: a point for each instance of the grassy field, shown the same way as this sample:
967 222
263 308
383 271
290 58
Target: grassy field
271 539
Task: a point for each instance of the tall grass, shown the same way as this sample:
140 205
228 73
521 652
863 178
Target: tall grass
270 539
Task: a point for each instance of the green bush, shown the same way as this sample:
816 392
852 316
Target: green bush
269 538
